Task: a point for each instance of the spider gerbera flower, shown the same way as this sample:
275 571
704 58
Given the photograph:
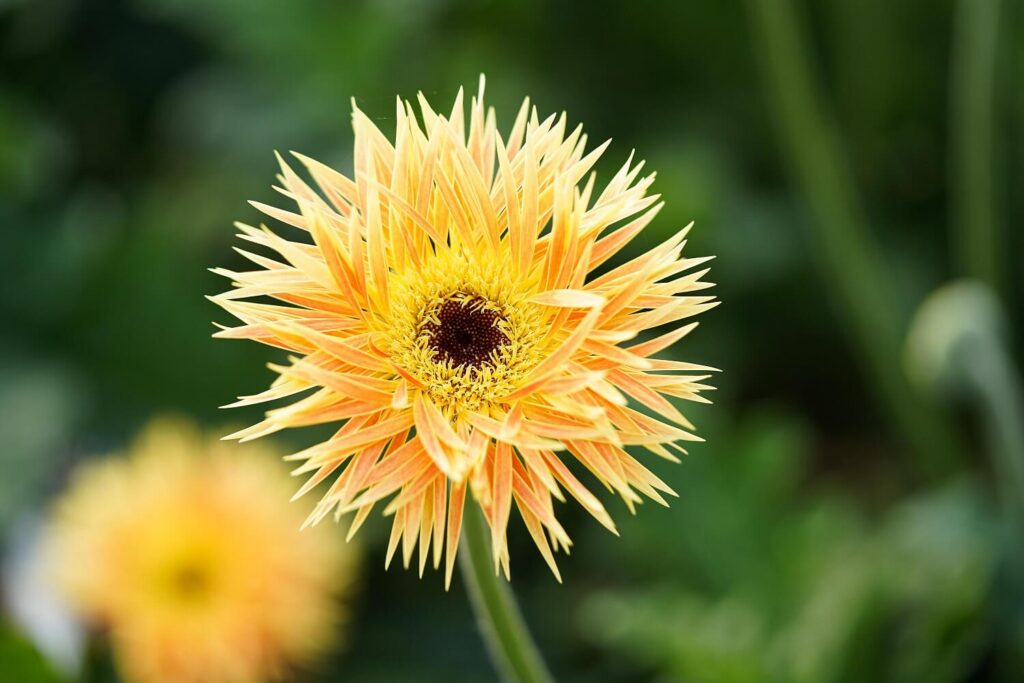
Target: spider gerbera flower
453 304
187 554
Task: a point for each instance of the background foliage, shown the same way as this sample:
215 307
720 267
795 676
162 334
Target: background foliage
815 539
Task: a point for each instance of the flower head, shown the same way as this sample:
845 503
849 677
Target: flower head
189 555
451 306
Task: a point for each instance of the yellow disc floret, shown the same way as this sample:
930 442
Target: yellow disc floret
429 332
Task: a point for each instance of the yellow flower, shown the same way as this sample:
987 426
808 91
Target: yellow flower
189 553
450 304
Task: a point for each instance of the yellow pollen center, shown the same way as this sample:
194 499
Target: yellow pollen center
465 330
189 581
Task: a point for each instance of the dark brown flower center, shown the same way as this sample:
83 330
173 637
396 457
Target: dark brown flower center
465 333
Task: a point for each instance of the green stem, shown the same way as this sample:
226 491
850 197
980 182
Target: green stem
853 264
508 640
995 381
98 665
973 104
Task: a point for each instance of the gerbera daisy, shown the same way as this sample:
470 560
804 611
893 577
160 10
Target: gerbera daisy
451 304
189 556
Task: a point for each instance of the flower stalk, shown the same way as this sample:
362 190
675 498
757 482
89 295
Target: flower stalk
995 383
852 263
957 347
973 97
501 624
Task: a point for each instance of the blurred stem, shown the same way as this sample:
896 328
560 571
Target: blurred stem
98 663
508 640
995 381
975 39
853 264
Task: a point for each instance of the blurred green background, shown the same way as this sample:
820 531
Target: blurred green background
847 519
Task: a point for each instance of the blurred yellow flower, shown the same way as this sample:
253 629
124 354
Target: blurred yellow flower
448 304
189 553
